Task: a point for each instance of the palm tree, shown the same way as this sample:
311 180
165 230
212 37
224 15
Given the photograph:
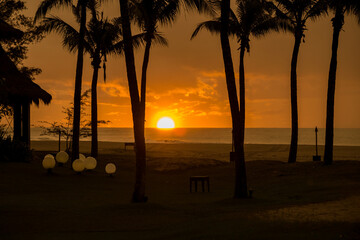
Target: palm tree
139 131
340 8
101 39
297 12
43 9
149 14
254 19
138 102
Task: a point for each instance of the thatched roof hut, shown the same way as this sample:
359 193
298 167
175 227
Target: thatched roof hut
13 83
17 89
16 85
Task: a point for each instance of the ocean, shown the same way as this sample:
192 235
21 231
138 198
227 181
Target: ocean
342 136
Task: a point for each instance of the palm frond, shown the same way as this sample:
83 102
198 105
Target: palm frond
210 7
70 35
316 10
213 26
159 39
47 5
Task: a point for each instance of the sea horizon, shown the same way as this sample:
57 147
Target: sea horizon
342 136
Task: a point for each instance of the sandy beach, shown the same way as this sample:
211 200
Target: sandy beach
305 200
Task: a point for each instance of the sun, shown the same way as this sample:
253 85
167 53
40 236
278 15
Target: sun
165 123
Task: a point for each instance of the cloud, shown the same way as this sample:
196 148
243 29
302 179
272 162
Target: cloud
115 89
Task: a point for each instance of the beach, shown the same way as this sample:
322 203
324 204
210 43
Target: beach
304 200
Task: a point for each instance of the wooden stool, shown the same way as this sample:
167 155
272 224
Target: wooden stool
203 179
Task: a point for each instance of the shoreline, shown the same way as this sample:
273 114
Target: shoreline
213 151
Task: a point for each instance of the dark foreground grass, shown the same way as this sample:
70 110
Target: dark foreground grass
291 201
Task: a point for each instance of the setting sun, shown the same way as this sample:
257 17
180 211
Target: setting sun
165 123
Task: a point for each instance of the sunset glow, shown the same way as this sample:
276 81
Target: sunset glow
165 123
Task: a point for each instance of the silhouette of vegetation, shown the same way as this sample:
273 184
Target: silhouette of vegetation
147 14
297 13
254 18
339 8
42 11
147 18
17 48
138 124
102 38
64 128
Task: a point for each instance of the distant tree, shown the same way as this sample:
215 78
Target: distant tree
339 8
63 129
102 38
42 11
297 13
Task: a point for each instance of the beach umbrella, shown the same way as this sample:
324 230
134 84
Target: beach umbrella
78 165
90 163
110 168
62 157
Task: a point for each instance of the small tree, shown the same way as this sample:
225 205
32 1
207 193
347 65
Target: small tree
64 129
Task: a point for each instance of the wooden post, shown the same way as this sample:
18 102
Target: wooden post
26 123
59 139
17 122
316 157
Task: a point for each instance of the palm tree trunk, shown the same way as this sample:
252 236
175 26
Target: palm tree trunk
240 171
144 75
94 113
242 98
338 21
139 189
293 92
78 80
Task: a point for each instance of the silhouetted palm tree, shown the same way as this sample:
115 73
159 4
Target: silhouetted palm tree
138 124
137 105
254 18
44 8
340 8
240 170
148 15
297 12
101 39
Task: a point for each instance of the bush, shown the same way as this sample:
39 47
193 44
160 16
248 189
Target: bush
13 151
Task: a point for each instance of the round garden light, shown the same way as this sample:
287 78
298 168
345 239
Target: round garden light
82 157
62 157
49 155
78 165
48 163
90 163
110 168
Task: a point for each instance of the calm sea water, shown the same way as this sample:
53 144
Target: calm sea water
343 136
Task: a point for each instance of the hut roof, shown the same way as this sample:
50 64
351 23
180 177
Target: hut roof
16 85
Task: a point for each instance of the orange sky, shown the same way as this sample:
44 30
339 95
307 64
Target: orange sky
186 79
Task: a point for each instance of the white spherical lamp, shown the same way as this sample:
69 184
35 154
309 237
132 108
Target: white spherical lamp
82 157
90 163
62 157
78 165
110 168
49 155
48 163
